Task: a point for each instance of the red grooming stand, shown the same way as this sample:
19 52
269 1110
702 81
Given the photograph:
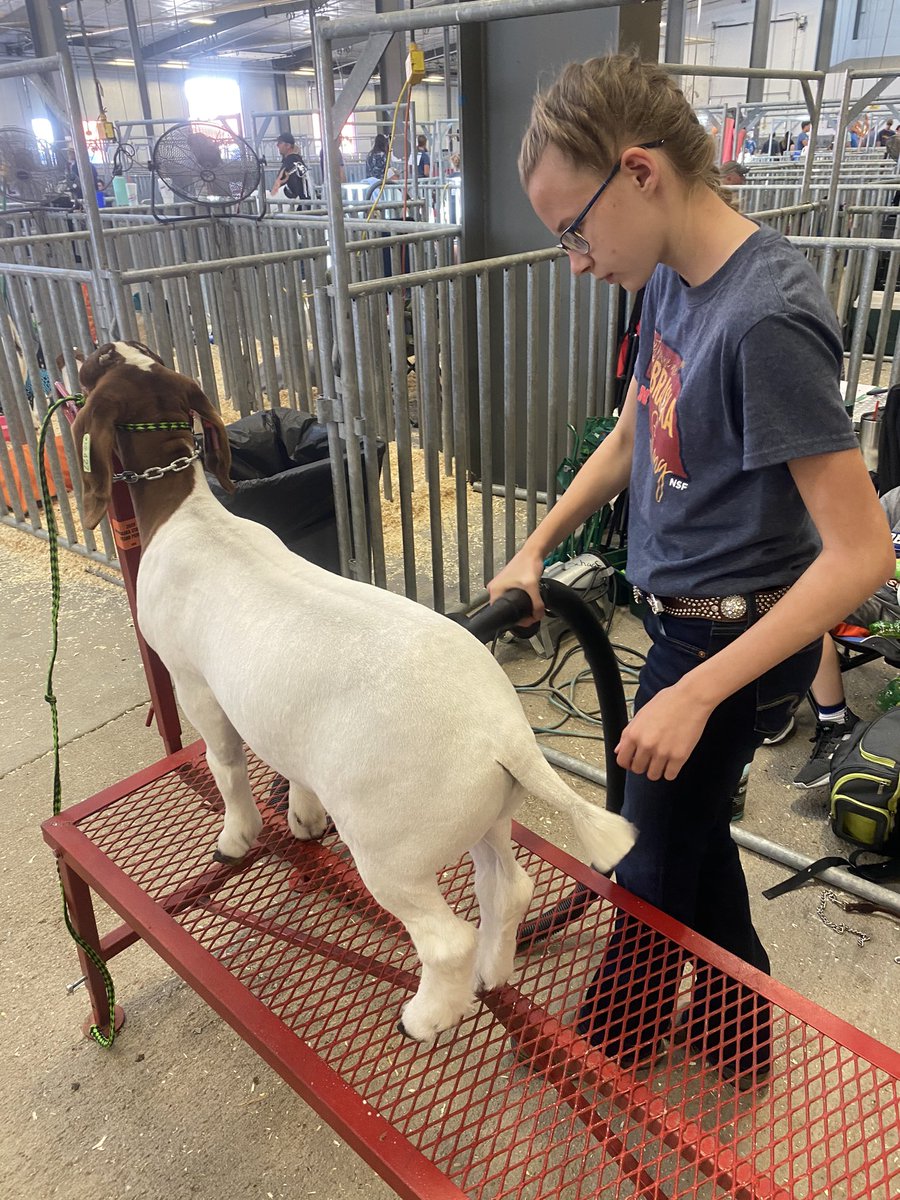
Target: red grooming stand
291 950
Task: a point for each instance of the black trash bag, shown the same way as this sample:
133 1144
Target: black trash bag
282 474
264 443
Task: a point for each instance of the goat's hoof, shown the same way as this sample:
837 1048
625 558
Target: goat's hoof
311 832
225 859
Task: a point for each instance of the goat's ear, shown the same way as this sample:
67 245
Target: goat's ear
218 452
95 426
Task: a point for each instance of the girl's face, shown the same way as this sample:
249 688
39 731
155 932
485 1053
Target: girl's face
622 228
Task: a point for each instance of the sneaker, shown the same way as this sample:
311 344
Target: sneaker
827 738
775 739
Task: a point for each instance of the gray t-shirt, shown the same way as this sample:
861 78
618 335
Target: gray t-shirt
736 377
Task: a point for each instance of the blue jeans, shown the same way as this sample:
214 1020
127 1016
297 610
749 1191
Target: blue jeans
684 861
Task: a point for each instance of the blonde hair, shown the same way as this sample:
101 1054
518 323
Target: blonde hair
597 109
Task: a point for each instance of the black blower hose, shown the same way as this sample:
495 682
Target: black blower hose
584 621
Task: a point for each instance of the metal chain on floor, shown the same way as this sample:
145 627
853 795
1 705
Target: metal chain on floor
103 1039
861 938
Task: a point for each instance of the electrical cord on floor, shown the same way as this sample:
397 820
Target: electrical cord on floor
561 695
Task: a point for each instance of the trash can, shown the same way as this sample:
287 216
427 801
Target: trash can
281 470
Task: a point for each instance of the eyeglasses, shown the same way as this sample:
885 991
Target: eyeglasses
570 238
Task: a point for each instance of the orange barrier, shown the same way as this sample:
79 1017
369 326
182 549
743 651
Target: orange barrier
33 480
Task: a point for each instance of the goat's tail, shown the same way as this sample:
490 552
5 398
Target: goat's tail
605 837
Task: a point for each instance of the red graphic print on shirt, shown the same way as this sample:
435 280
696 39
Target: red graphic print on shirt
662 396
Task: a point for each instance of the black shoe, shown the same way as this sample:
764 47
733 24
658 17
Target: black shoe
775 739
827 738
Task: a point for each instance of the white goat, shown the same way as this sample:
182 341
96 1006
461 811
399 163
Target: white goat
389 717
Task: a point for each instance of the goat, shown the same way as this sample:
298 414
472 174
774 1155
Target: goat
384 715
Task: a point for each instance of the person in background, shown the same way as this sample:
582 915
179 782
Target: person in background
801 141
733 173
885 134
73 179
859 131
423 158
835 720
293 176
753 526
377 160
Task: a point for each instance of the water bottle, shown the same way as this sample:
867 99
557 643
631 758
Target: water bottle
889 696
739 799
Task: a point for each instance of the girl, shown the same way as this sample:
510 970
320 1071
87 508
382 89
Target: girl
753 525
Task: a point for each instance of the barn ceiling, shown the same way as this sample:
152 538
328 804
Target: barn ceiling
198 32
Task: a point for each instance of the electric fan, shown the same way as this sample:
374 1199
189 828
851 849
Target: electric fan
26 178
206 163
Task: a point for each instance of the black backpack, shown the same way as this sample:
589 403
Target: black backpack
865 785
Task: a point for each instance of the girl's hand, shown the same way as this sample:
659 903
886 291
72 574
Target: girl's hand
660 737
523 571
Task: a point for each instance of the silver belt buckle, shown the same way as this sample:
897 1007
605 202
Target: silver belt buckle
655 606
733 608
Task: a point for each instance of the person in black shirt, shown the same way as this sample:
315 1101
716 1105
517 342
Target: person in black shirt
886 134
423 158
293 175
72 177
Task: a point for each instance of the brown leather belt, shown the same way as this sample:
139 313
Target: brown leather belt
710 608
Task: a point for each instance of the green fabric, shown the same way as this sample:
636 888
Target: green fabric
590 536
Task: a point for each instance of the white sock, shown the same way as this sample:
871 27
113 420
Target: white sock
826 714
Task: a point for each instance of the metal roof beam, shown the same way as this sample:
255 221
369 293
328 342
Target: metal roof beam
191 35
359 77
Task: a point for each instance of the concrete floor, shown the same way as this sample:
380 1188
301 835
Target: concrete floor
181 1107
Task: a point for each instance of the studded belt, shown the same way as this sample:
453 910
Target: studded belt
710 608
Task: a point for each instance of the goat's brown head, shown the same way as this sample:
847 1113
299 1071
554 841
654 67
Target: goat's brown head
126 383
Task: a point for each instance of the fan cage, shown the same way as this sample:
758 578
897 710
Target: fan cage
25 173
206 162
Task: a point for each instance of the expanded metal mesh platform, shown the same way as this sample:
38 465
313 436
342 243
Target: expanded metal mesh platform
292 951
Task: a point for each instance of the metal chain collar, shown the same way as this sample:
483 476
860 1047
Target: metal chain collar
144 426
861 938
177 464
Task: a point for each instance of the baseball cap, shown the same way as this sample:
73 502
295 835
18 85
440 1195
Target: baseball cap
734 168
286 136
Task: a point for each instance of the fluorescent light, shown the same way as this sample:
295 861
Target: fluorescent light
174 62
433 79
121 62
201 20
304 71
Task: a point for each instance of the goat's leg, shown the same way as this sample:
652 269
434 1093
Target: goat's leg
504 891
227 762
306 816
444 943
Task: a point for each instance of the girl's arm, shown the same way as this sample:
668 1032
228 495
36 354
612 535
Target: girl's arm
603 476
857 557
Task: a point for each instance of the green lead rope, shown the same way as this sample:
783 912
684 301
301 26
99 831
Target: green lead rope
103 1039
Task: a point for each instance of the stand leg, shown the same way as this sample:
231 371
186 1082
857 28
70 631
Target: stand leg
81 914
